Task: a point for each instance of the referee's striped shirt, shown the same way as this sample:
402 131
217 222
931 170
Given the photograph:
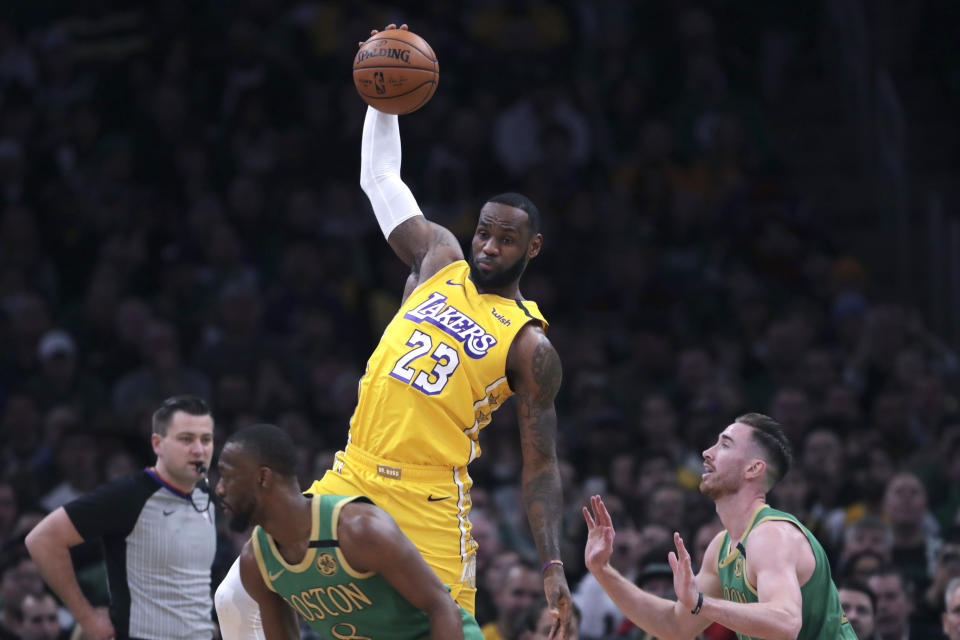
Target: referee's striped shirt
158 549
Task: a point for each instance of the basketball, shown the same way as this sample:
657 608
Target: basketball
396 71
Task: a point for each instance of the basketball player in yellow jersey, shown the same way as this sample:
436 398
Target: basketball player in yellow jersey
463 341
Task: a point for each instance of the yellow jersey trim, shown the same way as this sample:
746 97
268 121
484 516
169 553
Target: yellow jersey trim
308 557
732 551
259 556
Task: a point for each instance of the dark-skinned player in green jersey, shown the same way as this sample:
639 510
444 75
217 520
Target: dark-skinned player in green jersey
339 561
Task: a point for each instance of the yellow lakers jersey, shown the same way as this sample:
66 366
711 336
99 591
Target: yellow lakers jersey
439 372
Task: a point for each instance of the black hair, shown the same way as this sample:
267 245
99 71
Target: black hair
892 570
191 405
269 445
769 435
522 202
852 584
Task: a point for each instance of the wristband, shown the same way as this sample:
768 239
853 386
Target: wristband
547 564
696 609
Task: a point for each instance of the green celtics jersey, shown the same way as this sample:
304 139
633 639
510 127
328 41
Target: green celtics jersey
336 600
823 617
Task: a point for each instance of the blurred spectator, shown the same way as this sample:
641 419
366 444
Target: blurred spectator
537 621
951 616
867 534
894 605
163 373
59 380
860 606
946 568
522 586
77 461
39 617
18 577
9 511
863 564
914 529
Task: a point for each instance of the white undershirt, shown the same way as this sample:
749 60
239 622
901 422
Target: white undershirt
239 614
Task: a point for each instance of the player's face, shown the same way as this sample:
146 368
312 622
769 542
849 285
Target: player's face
237 487
859 611
501 246
951 617
725 461
189 440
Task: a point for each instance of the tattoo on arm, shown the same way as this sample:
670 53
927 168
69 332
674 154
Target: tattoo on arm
406 241
538 429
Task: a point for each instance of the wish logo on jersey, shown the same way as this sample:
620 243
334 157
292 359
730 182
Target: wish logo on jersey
436 311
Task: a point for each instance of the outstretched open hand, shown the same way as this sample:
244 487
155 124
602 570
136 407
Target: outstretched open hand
600 535
684 582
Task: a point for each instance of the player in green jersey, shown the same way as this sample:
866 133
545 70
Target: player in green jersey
764 576
339 561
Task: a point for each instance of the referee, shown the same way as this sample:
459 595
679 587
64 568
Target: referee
158 537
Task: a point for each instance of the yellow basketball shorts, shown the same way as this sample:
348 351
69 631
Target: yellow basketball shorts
431 504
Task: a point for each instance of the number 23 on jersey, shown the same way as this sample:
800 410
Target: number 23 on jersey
431 382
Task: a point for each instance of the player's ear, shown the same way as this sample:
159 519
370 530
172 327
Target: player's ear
757 468
533 249
265 477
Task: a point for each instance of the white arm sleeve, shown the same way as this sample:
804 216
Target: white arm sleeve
380 179
237 612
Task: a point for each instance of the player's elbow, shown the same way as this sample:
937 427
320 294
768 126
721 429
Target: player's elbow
791 626
372 176
33 541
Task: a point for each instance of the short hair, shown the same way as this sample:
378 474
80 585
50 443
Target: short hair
952 586
522 202
869 523
851 562
769 435
893 570
269 445
852 584
191 405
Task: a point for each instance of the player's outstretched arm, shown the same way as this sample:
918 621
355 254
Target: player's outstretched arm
655 615
424 246
371 541
278 619
774 550
534 372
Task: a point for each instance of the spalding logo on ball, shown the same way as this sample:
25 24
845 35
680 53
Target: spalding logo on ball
396 71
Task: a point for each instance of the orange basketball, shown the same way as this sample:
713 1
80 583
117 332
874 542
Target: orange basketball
396 71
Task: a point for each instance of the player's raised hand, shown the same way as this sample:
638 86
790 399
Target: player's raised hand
374 32
600 535
684 583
